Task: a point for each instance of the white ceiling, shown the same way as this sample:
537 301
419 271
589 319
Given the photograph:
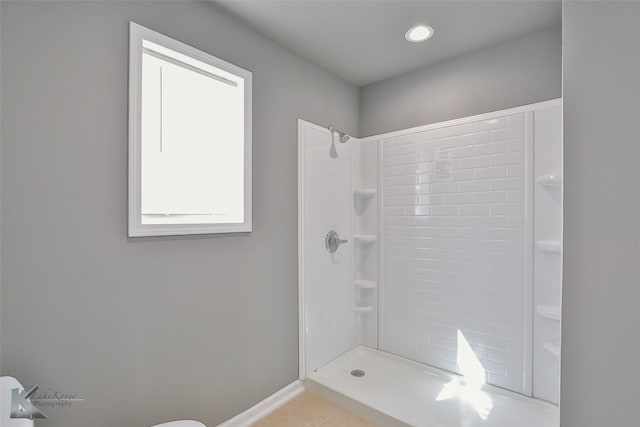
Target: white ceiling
363 41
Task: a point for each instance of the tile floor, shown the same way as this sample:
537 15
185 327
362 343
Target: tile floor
309 410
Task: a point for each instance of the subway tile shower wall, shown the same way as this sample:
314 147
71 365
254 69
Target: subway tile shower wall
454 246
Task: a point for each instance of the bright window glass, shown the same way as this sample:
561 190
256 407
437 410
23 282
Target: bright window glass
192 141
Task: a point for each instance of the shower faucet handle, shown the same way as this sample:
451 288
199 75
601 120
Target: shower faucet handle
332 241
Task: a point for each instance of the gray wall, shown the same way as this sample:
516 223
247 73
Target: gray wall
157 328
516 72
601 294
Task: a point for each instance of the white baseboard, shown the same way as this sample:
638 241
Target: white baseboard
268 405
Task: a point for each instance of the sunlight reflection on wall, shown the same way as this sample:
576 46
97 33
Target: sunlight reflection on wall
468 387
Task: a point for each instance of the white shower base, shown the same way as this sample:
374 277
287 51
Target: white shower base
397 391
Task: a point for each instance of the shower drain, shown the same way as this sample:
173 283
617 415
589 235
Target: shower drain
357 373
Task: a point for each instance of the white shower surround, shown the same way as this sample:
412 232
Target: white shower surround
520 352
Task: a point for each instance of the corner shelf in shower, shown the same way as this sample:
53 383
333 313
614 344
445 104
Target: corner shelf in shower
548 311
554 246
364 238
364 284
364 193
552 348
362 310
551 181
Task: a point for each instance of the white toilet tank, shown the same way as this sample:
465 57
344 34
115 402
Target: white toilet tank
6 385
181 423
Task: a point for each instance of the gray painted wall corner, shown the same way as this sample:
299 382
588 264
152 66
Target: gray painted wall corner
601 292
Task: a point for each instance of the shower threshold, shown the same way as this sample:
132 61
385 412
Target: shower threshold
396 392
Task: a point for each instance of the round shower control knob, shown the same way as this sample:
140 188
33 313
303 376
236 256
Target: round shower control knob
332 241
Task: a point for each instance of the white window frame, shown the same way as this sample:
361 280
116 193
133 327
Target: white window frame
138 33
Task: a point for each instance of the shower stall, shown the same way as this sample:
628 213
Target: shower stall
430 269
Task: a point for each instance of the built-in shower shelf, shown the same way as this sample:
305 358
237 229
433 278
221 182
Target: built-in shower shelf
364 284
554 246
364 238
364 193
362 310
548 311
552 348
550 181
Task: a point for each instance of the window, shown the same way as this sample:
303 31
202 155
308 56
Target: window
189 139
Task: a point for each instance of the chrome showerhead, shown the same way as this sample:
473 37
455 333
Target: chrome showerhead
342 137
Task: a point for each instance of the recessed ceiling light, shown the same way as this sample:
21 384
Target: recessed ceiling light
419 33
